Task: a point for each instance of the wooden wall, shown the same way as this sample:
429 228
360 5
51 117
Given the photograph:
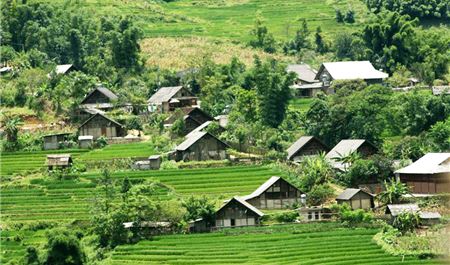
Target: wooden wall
280 195
235 214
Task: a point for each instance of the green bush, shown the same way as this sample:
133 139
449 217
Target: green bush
169 164
406 222
287 217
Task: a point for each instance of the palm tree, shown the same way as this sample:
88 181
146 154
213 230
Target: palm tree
394 192
348 159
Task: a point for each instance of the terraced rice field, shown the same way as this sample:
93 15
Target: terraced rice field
17 162
337 246
69 200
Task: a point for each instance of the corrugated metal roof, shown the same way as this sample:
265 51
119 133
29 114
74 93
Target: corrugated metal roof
244 203
62 68
430 215
304 72
295 147
164 94
344 148
352 70
347 194
396 209
199 128
104 116
430 163
85 137
261 188
192 139
106 92
308 86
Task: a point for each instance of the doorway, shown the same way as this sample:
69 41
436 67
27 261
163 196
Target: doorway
233 222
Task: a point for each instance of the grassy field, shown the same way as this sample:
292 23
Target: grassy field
299 244
66 200
225 19
301 104
17 162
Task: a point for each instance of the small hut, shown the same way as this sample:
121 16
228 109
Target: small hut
155 161
356 199
100 125
199 147
53 141
306 146
426 218
315 213
237 212
59 161
86 141
275 193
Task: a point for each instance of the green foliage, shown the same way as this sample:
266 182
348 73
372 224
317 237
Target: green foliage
349 46
63 248
315 171
393 193
351 217
321 45
261 38
440 134
12 126
350 16
339 16
373 170
199 207
178 127
300 41
101 142
319 194
414 8
406 222
287 217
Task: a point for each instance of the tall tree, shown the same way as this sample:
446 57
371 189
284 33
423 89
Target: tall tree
321 46
261 37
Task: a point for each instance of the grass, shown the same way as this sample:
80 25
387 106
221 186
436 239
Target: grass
230 20
17 162
68 200
301 104
300 244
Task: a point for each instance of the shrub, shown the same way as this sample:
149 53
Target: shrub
351 217
319 194
287 217
169 164
101 142
406 222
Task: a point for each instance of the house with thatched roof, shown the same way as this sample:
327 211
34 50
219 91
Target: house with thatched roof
200 146
349 70
59 161
275 193
100 125
356 199
348 146
306 146
428 175
167 99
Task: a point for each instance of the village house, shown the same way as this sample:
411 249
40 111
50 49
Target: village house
306 146
167 99
426 218
315 213
193 117
100 98
356 199
59 161
305 85
200 146
100 125
351 70
428 175
54 141
275 193
347 147
203 127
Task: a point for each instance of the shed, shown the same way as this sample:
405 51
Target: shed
428 175
306 146
100 98
59 161
315 213
222 119
275 193
348 146
53 141
199 147
86 141
237 212
356 199
167 99
305 74
100 125
426 218
155 161
350 70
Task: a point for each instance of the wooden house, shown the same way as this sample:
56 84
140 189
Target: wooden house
200 146
100 98
350 70
426 218
305 85
193 117
275 193
167 99
54 141
237 212
100 125
356 199
428 175
306 146
347 147
59 161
